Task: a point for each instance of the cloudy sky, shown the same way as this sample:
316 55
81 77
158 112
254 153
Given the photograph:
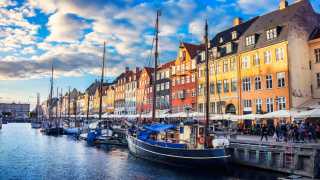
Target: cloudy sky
70 33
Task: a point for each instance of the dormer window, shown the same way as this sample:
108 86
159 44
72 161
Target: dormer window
203 56
250 40
229 48
272 34
234 35
221 40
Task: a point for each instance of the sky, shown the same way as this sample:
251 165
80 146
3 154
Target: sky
70 33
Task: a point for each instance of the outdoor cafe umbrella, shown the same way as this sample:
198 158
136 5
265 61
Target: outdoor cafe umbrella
308 114
278 114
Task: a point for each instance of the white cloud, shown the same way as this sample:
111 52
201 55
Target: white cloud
66 27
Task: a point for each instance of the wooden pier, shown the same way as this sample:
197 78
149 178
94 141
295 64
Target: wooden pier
292 158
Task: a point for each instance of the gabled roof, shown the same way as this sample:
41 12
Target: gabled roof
315 34
192 49
227 34
167 65
296 13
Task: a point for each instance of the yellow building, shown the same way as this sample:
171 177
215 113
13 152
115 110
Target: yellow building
263 65
108 98
223 71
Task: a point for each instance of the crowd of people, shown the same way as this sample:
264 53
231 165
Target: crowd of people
286 132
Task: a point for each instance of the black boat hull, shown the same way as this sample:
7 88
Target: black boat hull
207 158
53 131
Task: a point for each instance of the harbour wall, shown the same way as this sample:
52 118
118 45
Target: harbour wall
292 158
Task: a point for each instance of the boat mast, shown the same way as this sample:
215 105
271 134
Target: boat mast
57 105
51 93
61 101
37 108
69 98
88 103
207 85
101 83
156 54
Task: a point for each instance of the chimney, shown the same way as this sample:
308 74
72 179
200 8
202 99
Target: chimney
283 4
127 69
237 21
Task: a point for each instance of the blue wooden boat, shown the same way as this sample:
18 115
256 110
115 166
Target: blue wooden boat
144 145
71 130
36 125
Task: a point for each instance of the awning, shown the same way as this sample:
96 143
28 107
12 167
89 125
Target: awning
279 114
314 113
159 127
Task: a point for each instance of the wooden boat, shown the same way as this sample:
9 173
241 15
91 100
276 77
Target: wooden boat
146 144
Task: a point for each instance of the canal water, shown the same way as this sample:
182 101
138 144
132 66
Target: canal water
26 153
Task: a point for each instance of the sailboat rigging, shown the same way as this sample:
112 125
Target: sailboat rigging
164 143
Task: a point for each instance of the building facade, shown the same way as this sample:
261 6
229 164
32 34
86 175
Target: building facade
164 86
184 78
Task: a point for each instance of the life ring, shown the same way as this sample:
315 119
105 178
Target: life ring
201 140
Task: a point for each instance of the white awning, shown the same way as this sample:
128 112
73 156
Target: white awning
314 113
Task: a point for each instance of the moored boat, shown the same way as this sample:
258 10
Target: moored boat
36 125
150 144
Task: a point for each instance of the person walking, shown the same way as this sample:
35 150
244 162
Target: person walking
278 132
264 132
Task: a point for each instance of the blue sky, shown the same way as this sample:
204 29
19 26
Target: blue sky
36 33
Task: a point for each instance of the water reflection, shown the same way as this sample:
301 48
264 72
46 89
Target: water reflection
25 153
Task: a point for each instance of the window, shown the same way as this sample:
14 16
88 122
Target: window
187 79
279 54
257 83
167 85
233 85
219 86
258 106
173 82
158 87
233 64
212 107
281 79
211 88
158 76
173 70
317 55
234 35
218 67
225 85
245 62
246 84
272 34
182 80
225 66
267 57
256 59
269 105
193 78
211 70
269 81
178 80
250 40
229 48
247 103
200 107
200 89
318 80
281 103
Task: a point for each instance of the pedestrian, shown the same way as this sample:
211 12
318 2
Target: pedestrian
301 132
278 132
264 132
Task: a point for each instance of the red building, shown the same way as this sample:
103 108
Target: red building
144 91
184 78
